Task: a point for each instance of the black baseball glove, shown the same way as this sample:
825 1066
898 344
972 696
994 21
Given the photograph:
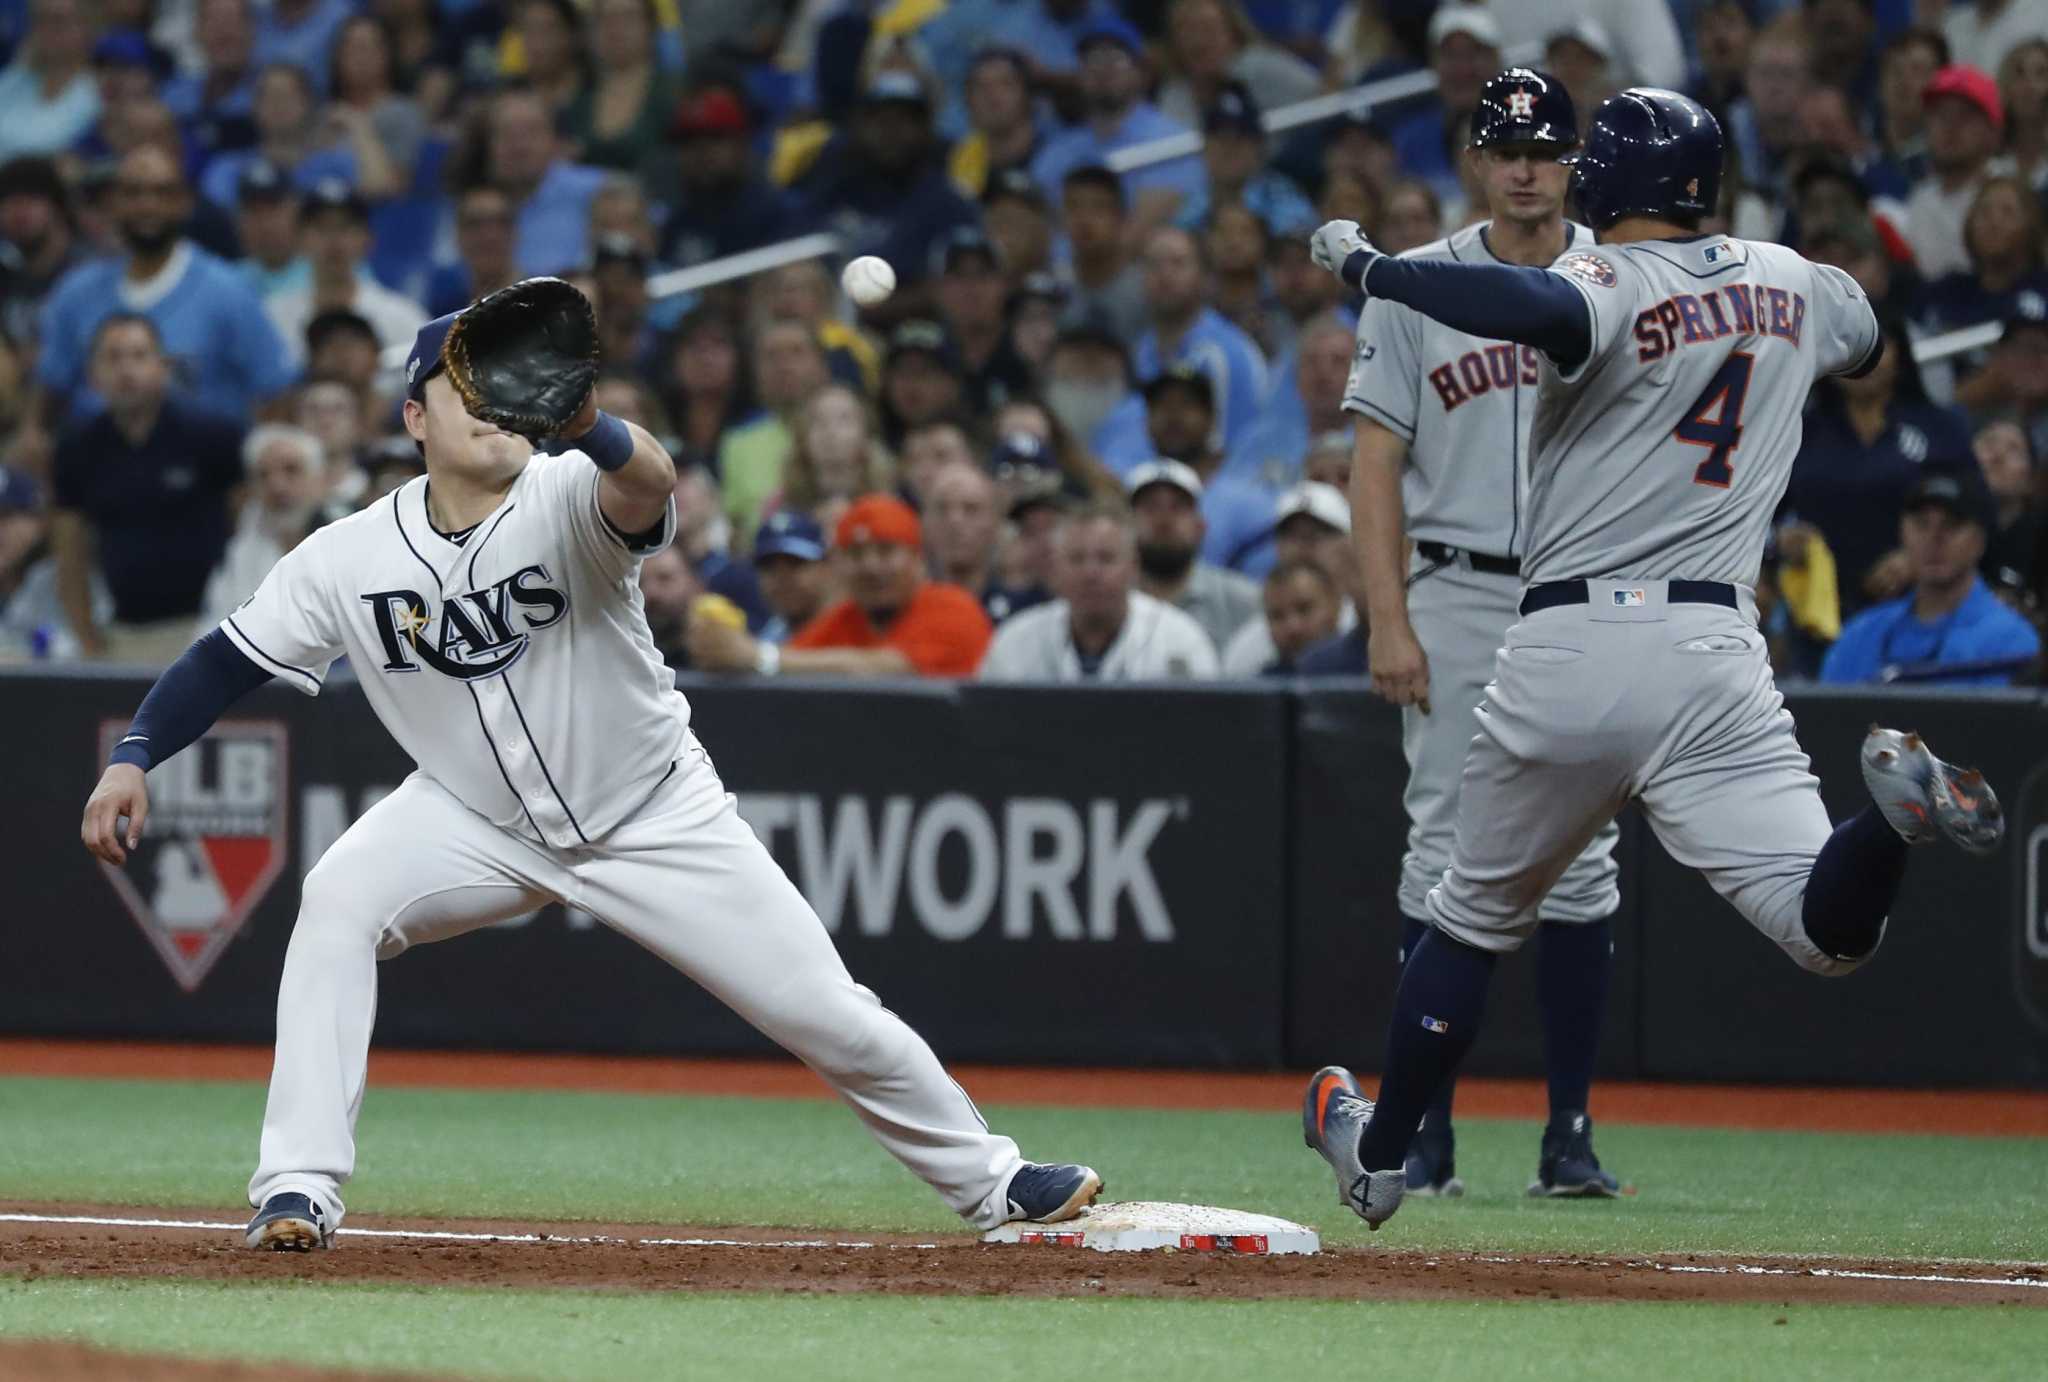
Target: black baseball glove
525 358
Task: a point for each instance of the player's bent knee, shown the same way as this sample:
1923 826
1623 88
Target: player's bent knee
1815 960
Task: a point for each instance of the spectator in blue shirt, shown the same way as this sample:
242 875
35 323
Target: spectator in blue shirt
142 493
1464 50
484 242
1865 443
1187 331
267 223
1088 388
1180 412
1948 627
1306 401
795 578
525 158
225 354
1234 155
292 136
48 99
882 188
1112 83
216 105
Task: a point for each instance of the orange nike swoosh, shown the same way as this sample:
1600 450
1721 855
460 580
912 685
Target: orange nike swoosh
1324 1090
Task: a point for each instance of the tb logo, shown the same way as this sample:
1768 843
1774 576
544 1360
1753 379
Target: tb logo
482 632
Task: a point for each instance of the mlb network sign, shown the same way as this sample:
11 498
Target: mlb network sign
2031 834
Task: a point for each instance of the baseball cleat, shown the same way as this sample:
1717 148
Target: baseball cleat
1333 1117
1567 1167
1050 1194
290 1222
1432 1167
1923 797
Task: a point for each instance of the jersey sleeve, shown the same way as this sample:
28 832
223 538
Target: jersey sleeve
569 482
290 627
947 637
1846 336
1609 286
1385 370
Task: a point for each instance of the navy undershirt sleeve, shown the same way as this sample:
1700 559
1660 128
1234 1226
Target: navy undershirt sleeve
192 693
1504 302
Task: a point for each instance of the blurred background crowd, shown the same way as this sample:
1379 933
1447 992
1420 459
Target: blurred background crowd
1097 432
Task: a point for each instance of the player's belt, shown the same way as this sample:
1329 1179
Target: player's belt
1551 594
1478 561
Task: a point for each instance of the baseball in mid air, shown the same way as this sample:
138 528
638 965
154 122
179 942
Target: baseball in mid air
868 280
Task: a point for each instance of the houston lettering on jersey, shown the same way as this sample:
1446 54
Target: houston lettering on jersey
1737 309
1481 371
478 637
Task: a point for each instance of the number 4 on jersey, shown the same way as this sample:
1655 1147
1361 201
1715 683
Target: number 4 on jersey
1715 420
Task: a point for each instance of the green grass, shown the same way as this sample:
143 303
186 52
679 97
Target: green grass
797 1162
571 1335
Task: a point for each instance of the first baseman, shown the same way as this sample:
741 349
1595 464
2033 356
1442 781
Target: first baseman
492 612
1442 441
1674 365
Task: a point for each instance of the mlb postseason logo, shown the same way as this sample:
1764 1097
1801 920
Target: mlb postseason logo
214 843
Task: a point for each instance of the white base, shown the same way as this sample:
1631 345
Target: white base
1147 1225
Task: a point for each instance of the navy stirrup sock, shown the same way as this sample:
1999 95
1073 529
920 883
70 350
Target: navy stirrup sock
1436 1014
1574 963
1438 1114
1853 885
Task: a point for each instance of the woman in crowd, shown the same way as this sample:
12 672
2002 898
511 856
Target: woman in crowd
551 45
1411 216
2023 83
2004 239
366 82
2012 553
1865 441
1236 241
621 118
707 386
1210 43
838 453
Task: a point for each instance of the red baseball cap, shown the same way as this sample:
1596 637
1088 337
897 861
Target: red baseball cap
711 111
879 518
1973 85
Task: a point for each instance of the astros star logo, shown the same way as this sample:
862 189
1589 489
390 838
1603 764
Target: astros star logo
412 622
1521 105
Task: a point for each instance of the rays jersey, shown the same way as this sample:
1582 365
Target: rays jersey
1664 454
1464 404
514 665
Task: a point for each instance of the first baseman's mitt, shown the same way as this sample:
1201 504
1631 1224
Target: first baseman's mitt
525 358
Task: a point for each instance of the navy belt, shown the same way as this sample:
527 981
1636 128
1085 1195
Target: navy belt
1481 561
1551 594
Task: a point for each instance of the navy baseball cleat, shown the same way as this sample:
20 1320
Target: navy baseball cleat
1333 1117
1050 1194
290 1222
1925 798
1432 1167
1567 1167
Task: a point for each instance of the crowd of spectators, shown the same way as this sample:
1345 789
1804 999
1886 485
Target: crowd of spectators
1097 433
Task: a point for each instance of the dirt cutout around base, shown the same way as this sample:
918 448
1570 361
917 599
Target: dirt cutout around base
51 1360
771 1261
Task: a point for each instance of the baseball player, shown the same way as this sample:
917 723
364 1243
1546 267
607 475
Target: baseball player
1673 369
492 612
1442 434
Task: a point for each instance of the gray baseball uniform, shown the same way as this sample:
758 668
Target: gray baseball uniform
1658 459
1465 405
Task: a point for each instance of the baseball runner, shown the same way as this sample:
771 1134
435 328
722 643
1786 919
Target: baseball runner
492 613
1442 436
1673 366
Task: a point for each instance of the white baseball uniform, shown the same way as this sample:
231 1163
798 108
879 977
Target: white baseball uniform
1657 461
1157 643
555 761
1465 405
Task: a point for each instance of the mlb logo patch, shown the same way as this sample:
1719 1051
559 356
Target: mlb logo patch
1626 598
1435 1024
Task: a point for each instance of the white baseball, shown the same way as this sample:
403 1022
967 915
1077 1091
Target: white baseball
868 280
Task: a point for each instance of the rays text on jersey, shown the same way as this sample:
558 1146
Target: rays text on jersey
482 631
1736 309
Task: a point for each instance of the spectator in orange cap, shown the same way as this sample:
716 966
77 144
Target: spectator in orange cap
894 623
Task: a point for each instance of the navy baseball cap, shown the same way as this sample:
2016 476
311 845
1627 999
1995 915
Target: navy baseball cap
961 243
897 88
263 180
1957 486
789 534
1110 29
1234 110
18 492
335 194
425 360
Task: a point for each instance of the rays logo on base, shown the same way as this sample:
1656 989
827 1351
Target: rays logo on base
213 845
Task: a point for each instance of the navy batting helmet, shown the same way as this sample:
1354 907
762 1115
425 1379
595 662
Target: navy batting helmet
1524 106
1649 152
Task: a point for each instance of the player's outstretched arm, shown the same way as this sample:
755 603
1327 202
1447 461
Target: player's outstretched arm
191 694
639 473
1502 302
1394 656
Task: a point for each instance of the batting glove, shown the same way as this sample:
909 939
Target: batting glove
1341 247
